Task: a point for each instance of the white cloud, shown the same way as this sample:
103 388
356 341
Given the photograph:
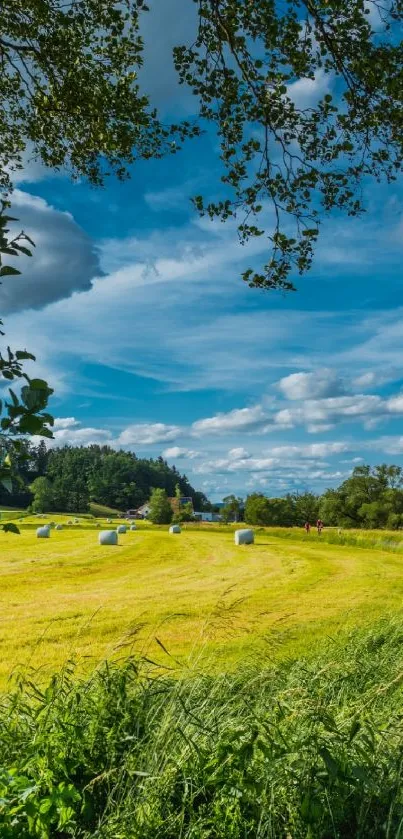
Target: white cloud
364 381
321 383
178 452
238 454
306 92
65 422
142 434
237 420
319 427
309 450
80 436
389 445
334 409
395 404
69 430
33 170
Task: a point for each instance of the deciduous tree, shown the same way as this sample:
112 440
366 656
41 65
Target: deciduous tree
160 508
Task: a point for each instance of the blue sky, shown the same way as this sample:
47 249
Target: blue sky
139 319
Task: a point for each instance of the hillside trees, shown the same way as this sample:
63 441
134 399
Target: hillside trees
78 475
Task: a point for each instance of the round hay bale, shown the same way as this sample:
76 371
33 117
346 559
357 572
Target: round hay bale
43 532
69 522
52 524
121 528
133 527
175 528
244 537
108 537
59 527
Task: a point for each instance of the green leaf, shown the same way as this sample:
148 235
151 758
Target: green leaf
8 271
23 250
31 424
38 384
330 763
13 397
33 399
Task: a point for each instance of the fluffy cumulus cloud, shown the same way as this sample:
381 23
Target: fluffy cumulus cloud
143 434
395 404
240 419
175 452
64 259
317 412
238 454
321 383
62 423
70 432
307 92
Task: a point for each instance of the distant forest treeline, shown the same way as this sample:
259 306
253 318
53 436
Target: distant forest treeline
69 478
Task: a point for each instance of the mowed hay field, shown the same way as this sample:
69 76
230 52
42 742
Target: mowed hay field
209 602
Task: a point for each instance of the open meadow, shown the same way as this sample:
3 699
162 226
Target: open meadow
210 603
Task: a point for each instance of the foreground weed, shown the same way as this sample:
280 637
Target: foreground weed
306 749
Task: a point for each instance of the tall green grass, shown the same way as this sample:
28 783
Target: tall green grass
304 749
383 540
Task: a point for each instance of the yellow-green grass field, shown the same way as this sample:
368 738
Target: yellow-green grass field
209 602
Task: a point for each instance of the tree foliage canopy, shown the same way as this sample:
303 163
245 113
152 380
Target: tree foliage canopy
160 508
69 84
290 511
372 497
71 93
